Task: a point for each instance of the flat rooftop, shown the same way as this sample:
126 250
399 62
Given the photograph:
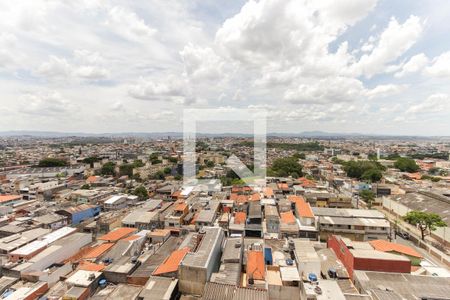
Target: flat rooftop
407 286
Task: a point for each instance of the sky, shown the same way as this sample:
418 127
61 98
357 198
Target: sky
348 66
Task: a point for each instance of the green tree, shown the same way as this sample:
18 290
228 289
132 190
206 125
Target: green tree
126 169
108 169
178 177
299 155
287 166
426 222
173 160
138 163
372 175
141 192
91 160
52 162
209 164
159 175
85 187
406 165
356 169
167 170
368 196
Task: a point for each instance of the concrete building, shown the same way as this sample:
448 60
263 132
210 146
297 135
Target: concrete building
361 256
115 202
356 224
196 268
80 213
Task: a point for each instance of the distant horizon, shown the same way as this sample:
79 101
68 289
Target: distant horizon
307 134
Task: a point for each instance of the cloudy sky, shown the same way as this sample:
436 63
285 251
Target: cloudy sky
113 66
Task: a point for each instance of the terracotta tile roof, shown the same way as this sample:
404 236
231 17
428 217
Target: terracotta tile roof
176 194
194 218
305 182
302 207
295 198
92 179
255 265
6 198
235 189
180 206
240 217
96 251
117 234
241 199
283 186
88 266
131 238
385 246
233 196
287 217
255 197
172 262
268 192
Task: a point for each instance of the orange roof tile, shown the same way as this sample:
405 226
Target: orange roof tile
283 186
172 262
131 237
176 194
255 197
194 218
92 179
287 217
295 198
97 250
240 217
268 192
6 198
385 246
302 207
241 199
88 266
180 206
255 265
117 234
233 196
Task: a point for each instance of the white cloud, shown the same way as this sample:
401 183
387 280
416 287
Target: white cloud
326 90
202 63
440 66
414 65
436 103
385 90
393 42
128 25
45 103
59 68
170 88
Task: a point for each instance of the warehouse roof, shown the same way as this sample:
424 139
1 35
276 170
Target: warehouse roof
348 213
159 288
410 287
